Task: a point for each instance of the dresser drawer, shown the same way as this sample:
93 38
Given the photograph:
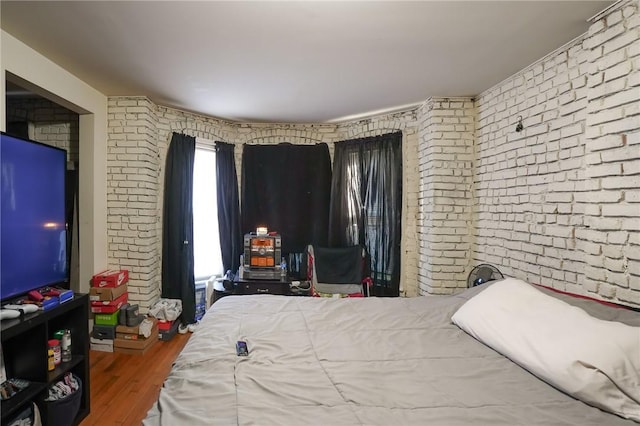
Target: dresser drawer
263 287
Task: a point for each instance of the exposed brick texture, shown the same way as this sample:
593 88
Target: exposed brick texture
556 204
49 122
445 167
133 170
139 134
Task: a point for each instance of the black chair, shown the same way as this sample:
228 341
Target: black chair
338 272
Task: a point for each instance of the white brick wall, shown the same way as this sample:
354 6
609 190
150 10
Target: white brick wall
133 169
52 123
562 196
445 167
613 121
557 204
139 134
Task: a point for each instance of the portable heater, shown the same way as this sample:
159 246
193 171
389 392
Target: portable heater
262 254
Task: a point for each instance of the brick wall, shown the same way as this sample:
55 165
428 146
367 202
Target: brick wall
559 203
51 123
612 158
446 133
133 169
139 135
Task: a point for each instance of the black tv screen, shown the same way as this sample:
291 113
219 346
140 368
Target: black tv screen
33 230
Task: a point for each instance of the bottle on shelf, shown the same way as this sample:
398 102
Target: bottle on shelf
66 346
51 363
54 345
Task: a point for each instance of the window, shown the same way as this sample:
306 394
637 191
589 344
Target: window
366 204
206 245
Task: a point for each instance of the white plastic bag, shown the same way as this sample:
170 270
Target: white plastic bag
166 309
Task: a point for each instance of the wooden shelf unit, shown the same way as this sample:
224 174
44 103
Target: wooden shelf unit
24 348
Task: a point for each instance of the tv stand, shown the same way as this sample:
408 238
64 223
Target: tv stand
24 348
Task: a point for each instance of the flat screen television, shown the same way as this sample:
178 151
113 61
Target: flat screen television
33 232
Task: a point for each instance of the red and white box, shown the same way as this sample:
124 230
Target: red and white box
100 294
164 325
108 306
110 278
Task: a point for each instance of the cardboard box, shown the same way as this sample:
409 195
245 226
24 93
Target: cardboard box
110 278
167 335
140 343
123 329
100 294
107 319
129 336
127 330
110 306
165 325
104 331
135 346
101 345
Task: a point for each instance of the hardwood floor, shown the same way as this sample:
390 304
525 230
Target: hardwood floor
123 387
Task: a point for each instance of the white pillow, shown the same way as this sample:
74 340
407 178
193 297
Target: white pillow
593 360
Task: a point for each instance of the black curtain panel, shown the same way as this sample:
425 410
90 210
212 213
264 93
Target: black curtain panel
366 204
287 188
177 228
228 206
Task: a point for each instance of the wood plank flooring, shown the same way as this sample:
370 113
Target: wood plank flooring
124 387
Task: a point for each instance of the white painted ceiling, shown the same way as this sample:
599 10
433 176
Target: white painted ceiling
293 61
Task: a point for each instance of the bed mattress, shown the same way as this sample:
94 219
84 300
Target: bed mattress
365 361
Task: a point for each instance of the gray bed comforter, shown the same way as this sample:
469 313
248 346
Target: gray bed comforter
366 361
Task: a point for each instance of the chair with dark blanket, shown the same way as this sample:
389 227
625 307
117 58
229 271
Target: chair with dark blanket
337 272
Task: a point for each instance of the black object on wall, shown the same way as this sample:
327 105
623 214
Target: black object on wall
366 204
71 205
231 243
287 188
177 230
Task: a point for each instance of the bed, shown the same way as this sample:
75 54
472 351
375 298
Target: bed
374 361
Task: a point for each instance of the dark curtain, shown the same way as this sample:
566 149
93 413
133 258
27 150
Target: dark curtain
229 227
287 188
366 204
177 228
